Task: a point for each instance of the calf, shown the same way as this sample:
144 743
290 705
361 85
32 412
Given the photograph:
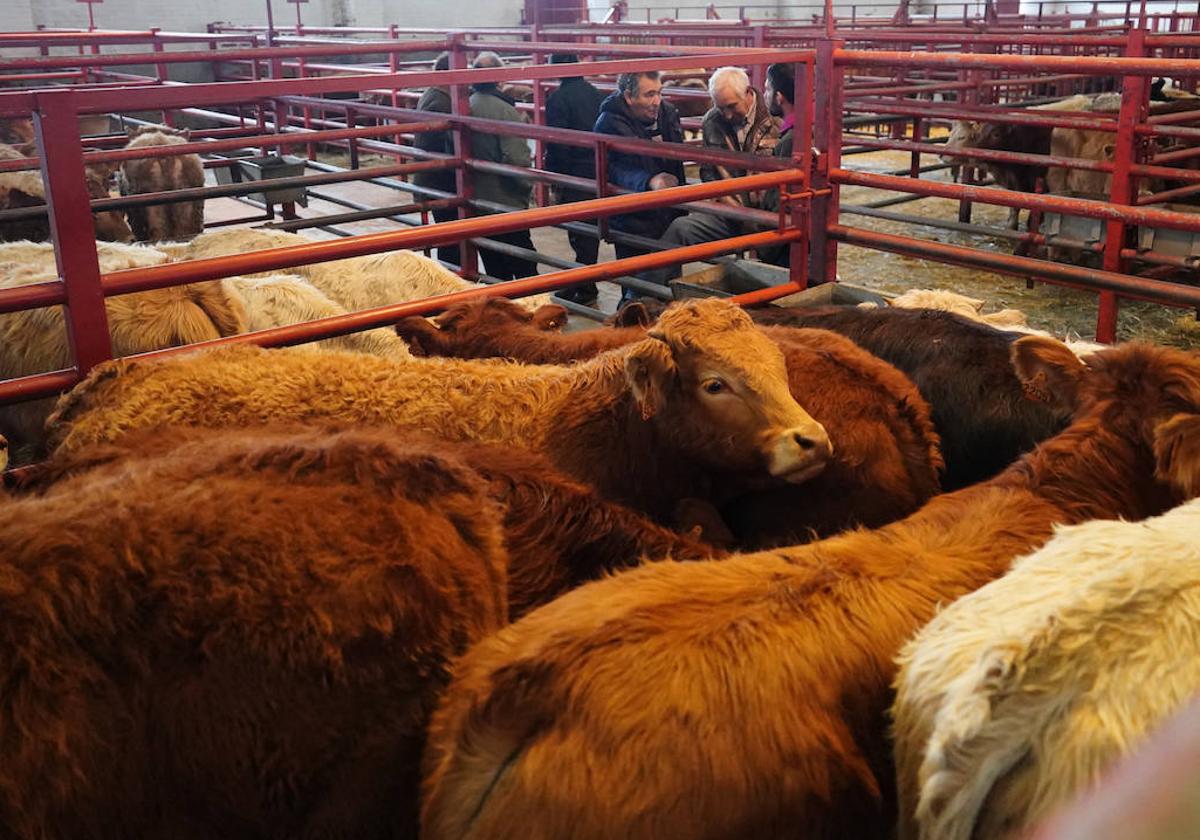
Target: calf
162 222
885 458
645 425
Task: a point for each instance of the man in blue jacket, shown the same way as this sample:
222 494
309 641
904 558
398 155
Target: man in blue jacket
637 109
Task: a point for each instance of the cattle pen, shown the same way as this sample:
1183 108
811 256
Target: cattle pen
864 85
342 493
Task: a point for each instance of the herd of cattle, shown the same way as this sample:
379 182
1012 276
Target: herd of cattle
1065 142
137 176
704 572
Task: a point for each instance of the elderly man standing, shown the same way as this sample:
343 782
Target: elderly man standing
488 102
637 109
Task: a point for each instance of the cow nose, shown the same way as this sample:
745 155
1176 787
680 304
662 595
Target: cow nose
800 452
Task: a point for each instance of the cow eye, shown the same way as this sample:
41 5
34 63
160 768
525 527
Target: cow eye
714 386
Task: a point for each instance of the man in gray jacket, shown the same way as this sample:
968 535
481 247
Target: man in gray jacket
488 102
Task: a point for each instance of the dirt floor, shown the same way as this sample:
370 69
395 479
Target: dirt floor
1065 312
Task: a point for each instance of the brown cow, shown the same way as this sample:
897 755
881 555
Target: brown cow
747 698
25 189
162 222
558 532
646 425
886 455
961 368
243 637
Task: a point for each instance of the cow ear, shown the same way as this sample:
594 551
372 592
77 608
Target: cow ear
550 317
648 369
632 314
451 317
1177 452
1048 370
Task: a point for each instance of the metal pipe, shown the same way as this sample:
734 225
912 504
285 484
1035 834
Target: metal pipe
228 190
1171 294
139 279
1009 198
387 315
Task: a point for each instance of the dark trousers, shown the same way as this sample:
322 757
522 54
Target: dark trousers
505 267
585 246
448 253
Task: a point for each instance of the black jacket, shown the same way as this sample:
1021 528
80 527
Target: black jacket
634 171
435 99
575 105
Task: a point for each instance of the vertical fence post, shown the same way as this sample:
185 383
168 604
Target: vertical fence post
826 98
803 211
71 225
460 105
1133 111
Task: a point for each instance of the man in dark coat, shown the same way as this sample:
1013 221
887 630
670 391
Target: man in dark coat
575 105
780 94
437 99
637 109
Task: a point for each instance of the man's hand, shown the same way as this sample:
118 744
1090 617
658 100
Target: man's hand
663 180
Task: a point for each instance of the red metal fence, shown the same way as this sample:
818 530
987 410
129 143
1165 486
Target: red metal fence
282 99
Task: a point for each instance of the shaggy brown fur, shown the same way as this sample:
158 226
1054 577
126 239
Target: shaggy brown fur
747 698
885 460
162 222
638 424
242 638
558 533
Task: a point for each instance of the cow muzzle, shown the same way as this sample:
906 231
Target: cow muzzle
799 453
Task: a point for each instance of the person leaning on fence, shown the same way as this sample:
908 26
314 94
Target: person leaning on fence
575 105
438 99
488 102
637 110
739 121
780 94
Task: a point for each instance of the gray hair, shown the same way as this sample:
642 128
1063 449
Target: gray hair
487 59
734 76
628 82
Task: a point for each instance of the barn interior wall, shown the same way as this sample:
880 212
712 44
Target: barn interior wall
193 17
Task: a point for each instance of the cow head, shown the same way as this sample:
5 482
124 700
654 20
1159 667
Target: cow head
717 387
963 134
1146 394
110 224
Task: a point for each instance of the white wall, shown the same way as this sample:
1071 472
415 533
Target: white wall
185 16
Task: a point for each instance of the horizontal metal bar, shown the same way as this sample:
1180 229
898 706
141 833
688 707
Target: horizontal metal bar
1010 198
138 279
181 96
290 137
229 190
1096 65
1173 294
384 316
